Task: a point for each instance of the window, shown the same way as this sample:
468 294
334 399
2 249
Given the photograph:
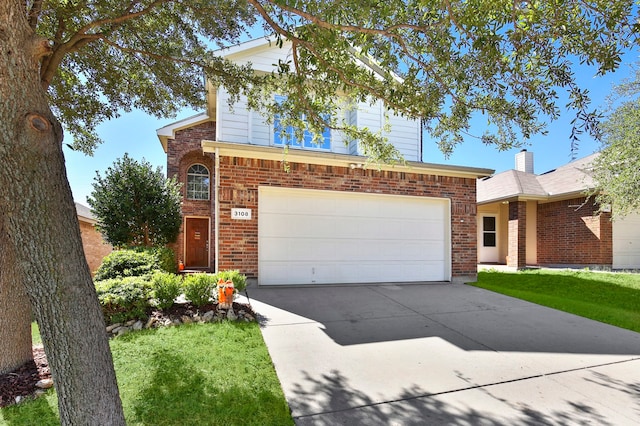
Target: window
287 136
489 231
198 182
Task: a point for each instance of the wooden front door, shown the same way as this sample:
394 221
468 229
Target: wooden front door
197 243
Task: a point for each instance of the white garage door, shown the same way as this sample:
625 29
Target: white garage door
626 242
319 237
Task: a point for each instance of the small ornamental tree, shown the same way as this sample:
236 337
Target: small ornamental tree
136 205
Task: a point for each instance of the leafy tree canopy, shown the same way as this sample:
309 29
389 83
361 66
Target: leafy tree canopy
135 205
440 62
617 169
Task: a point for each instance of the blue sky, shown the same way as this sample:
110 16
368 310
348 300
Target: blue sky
135 133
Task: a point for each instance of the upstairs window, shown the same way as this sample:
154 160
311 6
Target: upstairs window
198 182
287 137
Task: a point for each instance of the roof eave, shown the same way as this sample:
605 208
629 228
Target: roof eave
332 159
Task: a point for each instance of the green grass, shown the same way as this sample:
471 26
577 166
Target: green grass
200 374
612 298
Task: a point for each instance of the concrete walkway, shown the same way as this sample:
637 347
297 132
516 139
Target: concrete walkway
444 354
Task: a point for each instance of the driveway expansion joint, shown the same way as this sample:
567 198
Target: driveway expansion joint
472 387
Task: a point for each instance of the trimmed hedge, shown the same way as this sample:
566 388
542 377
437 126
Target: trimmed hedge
136 262
198 288
123 299
166 288
239 280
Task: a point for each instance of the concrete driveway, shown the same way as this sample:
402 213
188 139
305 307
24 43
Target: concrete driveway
444 354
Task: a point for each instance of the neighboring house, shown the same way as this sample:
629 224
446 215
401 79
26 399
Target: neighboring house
546 220
328 220
95 248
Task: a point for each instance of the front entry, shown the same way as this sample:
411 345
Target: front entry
197 243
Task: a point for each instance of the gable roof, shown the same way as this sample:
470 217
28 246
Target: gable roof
85 214
566 181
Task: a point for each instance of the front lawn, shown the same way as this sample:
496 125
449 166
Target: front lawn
198 374
612 298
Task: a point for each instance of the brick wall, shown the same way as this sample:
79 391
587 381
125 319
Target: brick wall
517 251
240 178
95 248
182 152
573 235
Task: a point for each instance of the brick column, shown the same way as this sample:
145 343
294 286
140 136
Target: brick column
517 253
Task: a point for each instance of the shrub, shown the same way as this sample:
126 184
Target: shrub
126 263
165 258
124 299
166 287
239 280
198 288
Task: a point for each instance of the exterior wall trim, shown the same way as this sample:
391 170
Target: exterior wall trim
228 149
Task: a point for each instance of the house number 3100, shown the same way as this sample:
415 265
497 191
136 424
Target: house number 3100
242 214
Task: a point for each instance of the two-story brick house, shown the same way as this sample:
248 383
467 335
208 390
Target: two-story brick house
329 218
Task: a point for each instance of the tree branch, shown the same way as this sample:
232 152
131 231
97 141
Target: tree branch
34 13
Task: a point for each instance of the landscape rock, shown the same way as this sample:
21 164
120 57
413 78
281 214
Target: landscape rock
208 316
112 327
44 384
231 316
186 320
123 330
150 322
138 325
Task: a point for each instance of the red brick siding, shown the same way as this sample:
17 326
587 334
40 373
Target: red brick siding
517 250
95 248
573 236
240 178
182 152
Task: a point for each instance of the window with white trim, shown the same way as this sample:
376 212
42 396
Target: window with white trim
198 182
488 231
287 137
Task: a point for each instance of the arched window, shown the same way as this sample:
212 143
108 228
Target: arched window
198 182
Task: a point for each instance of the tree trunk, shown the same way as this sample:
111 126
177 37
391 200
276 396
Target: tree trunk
15 312
38 216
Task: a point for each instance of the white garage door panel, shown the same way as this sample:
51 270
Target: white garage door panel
626 242
314 237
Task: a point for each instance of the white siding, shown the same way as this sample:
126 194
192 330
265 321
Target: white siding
404 134
232 123
242 126
261 132
263 58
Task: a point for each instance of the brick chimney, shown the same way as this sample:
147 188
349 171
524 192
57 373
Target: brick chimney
524 161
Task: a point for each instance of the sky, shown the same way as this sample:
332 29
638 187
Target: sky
135 133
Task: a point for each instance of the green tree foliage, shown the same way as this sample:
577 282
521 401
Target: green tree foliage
442 63
446 63
617 169
87 61
136 205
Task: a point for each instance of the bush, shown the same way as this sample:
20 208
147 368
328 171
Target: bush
123 299
166 287
165 258
198 288
126 263
239 280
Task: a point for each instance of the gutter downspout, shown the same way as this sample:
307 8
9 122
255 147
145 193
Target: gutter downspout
217 212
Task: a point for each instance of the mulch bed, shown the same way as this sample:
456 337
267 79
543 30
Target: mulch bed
22 382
